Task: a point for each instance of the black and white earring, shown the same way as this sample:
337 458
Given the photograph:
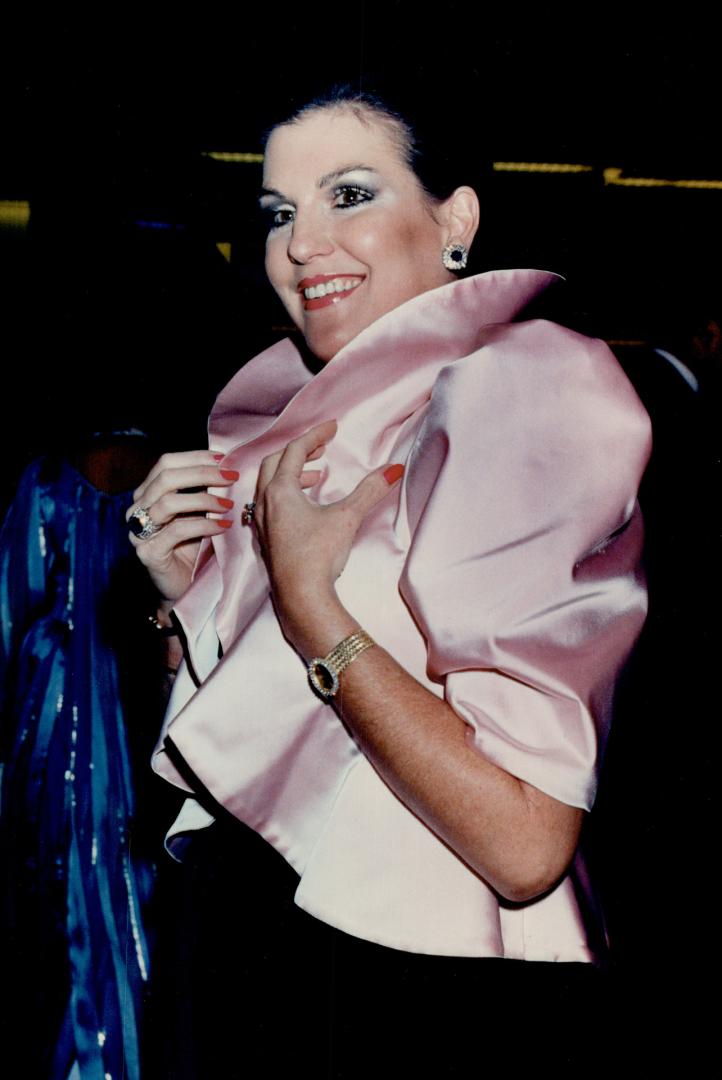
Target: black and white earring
455 256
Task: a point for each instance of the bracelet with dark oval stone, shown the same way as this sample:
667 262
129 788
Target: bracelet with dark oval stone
324 671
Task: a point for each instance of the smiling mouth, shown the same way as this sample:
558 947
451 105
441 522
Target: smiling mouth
323 290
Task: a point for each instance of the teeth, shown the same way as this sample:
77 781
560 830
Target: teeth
337 285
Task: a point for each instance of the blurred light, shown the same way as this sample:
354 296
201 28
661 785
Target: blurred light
227 155
539 167
614 177
14 214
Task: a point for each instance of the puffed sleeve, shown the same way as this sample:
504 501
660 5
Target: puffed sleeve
523 571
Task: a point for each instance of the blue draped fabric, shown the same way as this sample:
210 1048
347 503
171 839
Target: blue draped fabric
74 888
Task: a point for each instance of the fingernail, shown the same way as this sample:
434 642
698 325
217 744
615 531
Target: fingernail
225 523
229 474
393 473
218 457
227 503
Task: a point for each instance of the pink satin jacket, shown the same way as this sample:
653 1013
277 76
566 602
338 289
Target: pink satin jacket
502 573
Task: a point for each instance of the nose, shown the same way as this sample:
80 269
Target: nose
309 238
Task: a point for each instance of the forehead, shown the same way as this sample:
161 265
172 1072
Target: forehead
332 138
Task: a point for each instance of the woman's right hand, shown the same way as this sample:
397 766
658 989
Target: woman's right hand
170 554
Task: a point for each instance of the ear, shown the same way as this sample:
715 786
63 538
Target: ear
461 216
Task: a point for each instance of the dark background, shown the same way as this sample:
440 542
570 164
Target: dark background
119 310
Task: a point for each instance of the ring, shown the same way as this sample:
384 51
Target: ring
248 511
141 524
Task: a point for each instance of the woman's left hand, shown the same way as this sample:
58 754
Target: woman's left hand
305 545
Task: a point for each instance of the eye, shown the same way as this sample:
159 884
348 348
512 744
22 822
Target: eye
278 216
349 195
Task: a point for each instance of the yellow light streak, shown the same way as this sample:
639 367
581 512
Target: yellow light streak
14 214
228 155
540 167
614 178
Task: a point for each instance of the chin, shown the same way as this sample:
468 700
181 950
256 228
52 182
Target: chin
325 346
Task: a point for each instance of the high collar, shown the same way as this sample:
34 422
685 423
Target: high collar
372 387
421 335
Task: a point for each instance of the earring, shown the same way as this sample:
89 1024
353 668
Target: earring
455 256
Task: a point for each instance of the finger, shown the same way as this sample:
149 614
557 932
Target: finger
161 546
269 465
308 446
266 473
199 476
198 502
174 480
309 477
372 489
184 459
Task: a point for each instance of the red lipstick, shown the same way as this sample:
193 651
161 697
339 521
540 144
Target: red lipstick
330 298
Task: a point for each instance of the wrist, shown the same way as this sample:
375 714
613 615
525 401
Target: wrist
324 672
314 621
163 610
161 621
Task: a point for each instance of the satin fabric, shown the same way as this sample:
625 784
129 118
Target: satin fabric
73 895
503 574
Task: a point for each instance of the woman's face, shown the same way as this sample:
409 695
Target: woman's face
351 233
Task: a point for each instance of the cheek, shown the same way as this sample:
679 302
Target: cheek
381 243
276 263
277 267
271 262
407 254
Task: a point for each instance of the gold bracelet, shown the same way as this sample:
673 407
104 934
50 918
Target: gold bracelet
324 671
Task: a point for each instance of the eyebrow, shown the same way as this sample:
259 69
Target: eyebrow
338 173
325 180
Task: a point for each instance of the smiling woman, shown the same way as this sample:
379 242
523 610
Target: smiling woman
457 576
344 204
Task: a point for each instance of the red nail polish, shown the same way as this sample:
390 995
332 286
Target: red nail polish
393 473
229 474
218 457
224 523
226 503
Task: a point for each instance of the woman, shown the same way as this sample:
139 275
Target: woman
458 567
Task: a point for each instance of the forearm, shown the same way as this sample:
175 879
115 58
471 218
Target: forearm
516 837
